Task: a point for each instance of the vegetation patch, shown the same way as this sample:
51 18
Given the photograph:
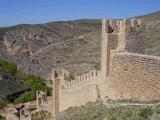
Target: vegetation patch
8 66
98 111
22 87
41 115
35 83
97 66
2 118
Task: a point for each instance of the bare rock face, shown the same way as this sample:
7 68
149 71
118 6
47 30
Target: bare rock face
73 45
14 50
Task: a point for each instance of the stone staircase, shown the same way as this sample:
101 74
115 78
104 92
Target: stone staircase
98 91
100 95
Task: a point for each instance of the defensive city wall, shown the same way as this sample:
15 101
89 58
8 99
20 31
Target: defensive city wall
74 91
126 73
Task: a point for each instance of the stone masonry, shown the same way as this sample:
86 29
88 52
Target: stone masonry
119 36
73 91
135 77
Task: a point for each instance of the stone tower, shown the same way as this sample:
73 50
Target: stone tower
119 36
57 78
56 83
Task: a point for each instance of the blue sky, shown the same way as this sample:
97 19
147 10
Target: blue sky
14 12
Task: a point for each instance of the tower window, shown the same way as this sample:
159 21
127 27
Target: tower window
110 30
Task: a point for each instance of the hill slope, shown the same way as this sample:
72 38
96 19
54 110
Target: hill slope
151 33
40 48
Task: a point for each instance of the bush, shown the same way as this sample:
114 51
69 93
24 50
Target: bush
2 118
112 113
8 66
88 112
41 115
5 102
145 113
97 66
98 111
20 75
37 84
26 97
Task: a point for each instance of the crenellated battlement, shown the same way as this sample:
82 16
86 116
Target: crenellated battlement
69 80
61 74
121 35
64 82
82 79
134 23
117 26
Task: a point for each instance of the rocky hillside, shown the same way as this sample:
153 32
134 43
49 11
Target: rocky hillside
151 33
40 48
74 45
9 84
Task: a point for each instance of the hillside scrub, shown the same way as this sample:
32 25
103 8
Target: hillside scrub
98 111
32 82
2 118
36 84
41 115
8 66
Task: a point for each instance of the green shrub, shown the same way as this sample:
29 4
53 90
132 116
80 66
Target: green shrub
112 113
5 102
26 97
145 113
36 83
2 118
41 115
97 66
88 112
98 111
126 114
8 66
20 75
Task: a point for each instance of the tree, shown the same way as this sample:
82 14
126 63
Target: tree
2 118
41 115
8 66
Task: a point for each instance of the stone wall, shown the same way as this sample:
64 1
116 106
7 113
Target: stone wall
77 96
81 79
134 41
120 35
135 77
76 91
